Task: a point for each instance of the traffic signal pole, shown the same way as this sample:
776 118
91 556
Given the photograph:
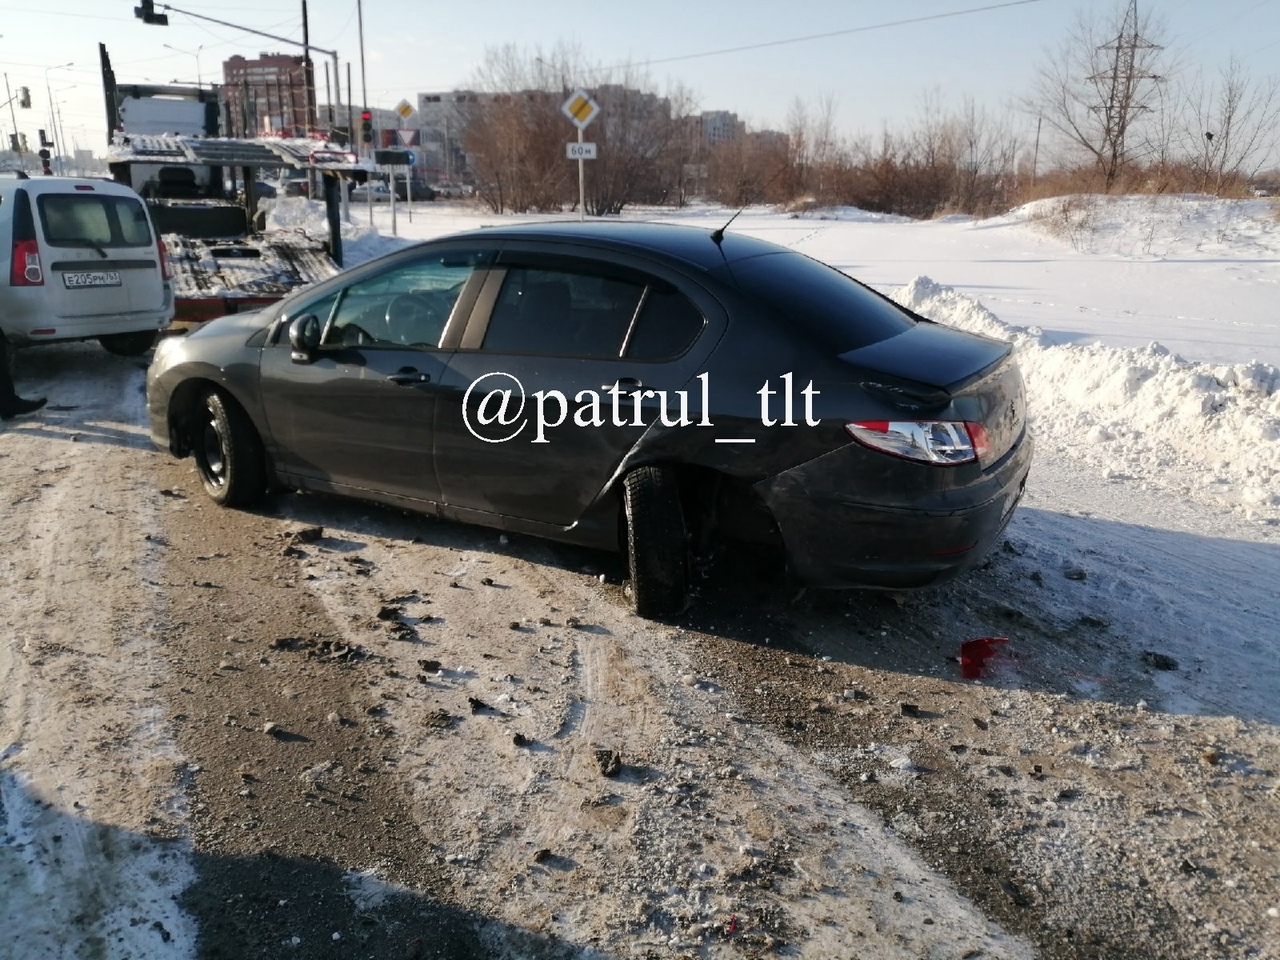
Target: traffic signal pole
14 116
146 13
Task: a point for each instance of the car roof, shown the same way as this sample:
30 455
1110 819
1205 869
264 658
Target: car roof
693 245
35 185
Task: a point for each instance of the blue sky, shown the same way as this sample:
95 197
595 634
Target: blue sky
875 76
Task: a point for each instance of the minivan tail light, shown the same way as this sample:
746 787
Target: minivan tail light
942 443
25 270
164 257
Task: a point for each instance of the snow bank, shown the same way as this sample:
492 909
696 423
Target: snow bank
1157 225
1208 430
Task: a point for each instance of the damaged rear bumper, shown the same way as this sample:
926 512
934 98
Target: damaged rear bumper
936 525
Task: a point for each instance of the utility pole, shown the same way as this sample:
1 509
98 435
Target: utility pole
1121 89
308 74
364 82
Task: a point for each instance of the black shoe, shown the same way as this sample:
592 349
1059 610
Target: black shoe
21 406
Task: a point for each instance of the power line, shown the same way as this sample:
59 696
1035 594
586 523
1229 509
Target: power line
842 33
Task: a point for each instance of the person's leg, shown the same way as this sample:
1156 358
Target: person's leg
11 405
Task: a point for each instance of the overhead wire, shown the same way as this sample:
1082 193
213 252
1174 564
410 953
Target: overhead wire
838 33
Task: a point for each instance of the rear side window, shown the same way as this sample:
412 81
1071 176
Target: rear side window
833 308
93 220
580 309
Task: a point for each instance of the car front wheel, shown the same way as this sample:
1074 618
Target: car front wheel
228 452
657 542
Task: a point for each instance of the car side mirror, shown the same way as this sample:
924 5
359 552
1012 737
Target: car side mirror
304 338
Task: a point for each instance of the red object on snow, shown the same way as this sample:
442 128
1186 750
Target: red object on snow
975 653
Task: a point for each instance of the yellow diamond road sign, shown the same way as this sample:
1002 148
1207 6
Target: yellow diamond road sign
580 109
405 109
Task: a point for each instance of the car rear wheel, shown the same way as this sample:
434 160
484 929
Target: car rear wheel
228 452
128 344
657 542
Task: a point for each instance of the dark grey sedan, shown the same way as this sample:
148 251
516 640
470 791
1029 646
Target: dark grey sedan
645 388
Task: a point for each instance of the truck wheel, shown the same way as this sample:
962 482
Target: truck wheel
657 542
128 344
228 452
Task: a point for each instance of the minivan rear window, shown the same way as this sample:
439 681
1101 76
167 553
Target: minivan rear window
93 220
828 305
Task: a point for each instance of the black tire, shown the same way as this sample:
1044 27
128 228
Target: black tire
128 344
657 542
228 452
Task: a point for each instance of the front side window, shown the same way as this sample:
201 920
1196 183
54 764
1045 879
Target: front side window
93 220
406 305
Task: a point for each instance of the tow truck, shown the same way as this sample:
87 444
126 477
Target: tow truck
165 143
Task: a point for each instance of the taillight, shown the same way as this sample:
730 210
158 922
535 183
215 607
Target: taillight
940 442
164 258
25 270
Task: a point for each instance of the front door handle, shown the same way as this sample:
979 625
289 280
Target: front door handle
408 376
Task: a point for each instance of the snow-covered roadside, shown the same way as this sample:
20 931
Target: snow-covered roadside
91 821
1139 452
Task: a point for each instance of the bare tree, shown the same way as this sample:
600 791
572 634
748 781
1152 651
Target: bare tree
517 135
1229 127
1099 87
678 161
514 134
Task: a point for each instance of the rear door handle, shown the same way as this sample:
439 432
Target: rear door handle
408 376
623 384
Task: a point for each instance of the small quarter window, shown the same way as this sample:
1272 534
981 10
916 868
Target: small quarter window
668 324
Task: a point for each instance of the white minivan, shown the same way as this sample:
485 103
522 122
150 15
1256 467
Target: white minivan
80 260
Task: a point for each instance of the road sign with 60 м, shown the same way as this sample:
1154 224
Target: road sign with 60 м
580 151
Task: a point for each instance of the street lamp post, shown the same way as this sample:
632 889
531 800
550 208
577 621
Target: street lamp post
53 116
196 54
59 131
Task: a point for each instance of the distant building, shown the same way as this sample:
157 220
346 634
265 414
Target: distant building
269 96
719 126
440 119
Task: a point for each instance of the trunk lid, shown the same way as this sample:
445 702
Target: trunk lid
937 372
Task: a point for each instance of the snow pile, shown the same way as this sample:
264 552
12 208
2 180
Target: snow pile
1207 430
360 240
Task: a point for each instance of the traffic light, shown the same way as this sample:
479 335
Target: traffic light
24 97
45 157
147 14
13 143
366 126
22 143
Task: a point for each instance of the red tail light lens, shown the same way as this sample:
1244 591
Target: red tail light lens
164 258
25 270
942 443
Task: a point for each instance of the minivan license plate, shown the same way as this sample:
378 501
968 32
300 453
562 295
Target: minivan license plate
94 278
